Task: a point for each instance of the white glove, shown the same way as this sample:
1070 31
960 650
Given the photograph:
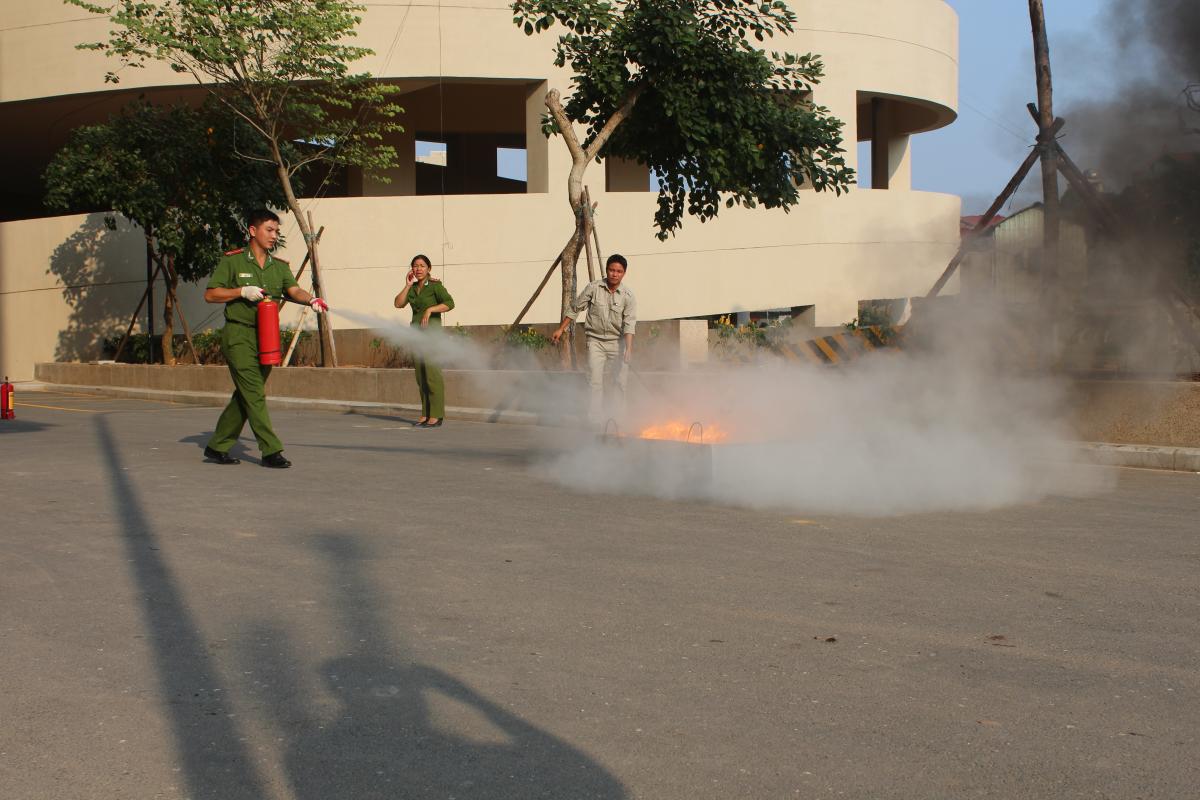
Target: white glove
252 293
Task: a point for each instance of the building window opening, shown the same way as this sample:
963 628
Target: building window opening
864 165
432 154
512 164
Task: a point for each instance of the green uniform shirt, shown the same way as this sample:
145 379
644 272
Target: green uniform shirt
238 268
427 296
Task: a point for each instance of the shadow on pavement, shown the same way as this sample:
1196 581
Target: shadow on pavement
381 739
19 425
239 450
215 764
523 457
407 419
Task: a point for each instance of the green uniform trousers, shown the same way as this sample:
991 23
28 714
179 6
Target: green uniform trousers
239 344
433 393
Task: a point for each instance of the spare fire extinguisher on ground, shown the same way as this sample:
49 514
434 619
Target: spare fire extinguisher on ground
267 323
6 400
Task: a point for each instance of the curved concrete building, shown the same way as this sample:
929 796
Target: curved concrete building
481 190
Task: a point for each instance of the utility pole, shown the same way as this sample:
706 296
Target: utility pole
1046 143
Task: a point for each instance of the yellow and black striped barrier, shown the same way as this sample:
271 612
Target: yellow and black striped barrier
840 347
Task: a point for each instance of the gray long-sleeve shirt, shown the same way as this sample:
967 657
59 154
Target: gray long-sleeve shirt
610 315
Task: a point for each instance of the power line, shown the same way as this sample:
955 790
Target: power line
995 121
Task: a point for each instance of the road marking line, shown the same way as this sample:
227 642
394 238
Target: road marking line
58 408
109 397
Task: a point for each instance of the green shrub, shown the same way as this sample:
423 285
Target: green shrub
528 339
208 346
730 335
137 349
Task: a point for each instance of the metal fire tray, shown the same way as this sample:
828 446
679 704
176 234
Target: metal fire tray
682 467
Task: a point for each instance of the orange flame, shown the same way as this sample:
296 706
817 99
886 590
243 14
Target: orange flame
677 430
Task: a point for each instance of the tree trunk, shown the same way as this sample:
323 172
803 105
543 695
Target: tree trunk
570 289
325 335
168 336
580 158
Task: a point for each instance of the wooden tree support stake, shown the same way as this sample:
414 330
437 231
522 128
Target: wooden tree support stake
170 278
287 358
328 348
595 233
308 255
589 228
542 285
133 319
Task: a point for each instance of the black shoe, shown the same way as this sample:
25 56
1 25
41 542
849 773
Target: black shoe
276 460
420 423
217 457
437 424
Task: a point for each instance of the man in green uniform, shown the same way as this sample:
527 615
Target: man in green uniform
243 278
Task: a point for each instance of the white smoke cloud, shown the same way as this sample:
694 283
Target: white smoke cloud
940 428
945 428
433 344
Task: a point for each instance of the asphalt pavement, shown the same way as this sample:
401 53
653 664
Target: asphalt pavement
417 614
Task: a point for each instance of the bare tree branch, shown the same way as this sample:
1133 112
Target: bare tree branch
249 157
554 103
619 116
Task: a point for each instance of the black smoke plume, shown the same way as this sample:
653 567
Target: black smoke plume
1146 101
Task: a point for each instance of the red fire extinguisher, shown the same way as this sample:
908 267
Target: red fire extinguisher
268 333
6 400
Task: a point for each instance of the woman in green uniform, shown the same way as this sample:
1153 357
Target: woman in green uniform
429 300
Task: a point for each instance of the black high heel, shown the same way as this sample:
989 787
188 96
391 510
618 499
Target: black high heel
437 424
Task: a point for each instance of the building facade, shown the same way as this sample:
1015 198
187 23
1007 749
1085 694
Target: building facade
481 190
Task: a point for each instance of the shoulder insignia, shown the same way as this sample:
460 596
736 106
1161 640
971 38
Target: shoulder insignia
235 252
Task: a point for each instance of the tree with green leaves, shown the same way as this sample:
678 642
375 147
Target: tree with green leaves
678 85
282 66
173 172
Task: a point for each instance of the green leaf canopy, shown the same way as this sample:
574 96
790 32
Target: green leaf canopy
175 171
717 120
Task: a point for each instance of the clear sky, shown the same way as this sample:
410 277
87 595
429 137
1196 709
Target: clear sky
976 155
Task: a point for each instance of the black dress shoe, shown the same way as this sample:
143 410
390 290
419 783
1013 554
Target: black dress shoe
216 456
276 460
437 424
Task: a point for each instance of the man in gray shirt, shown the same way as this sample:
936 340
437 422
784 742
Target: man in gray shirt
611 318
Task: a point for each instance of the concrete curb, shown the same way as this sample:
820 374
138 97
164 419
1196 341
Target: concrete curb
1142 456
219 399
